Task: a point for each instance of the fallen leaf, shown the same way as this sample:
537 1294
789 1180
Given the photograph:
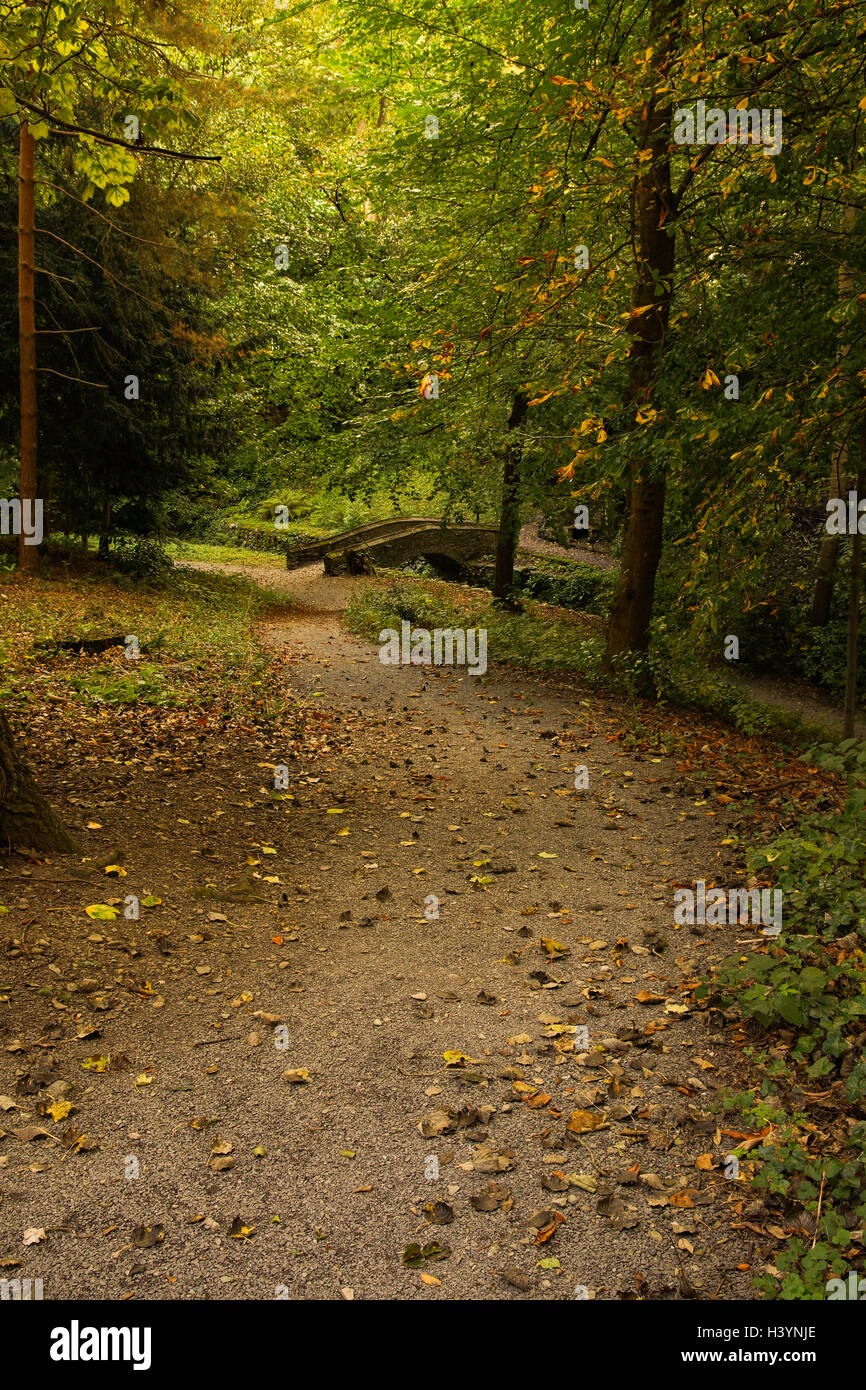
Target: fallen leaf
145 1237
238 1231
584 1121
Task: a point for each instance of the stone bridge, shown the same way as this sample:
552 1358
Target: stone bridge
391 543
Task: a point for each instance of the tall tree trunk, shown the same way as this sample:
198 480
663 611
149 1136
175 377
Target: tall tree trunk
105 533
828 554
509 518
632 606
653 215
28 555
837 486
26 819
854 591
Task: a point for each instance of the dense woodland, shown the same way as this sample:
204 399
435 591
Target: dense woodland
284 254
277 269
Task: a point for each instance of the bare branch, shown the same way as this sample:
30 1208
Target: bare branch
103 386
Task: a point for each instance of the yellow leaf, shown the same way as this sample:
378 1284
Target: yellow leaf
551 946
101 912
59 1109
96 1063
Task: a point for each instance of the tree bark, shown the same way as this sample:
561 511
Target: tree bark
837 486
855 589
26 819
509 517
632 606
654 214
828 555
28 555
105 533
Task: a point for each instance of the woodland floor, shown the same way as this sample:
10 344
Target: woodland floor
309 912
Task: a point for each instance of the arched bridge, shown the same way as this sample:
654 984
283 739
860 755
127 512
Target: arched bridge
391 543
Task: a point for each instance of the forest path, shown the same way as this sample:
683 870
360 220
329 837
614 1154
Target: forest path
309 588
445 778
407 785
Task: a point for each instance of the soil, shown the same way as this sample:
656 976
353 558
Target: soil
300 935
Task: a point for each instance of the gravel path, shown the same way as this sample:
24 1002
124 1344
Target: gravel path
428 791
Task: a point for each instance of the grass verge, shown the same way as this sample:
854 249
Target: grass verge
194 631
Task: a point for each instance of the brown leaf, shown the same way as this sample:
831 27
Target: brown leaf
439 1213
30 1132
144 1237
492 1197
584 1121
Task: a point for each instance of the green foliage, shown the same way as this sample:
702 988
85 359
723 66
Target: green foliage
828 1188
521 639
566 584
105 685
802 980
141 558
809 987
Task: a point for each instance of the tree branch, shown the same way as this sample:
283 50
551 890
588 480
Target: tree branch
64 128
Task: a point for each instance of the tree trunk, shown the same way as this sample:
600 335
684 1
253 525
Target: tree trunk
509 519
653 215
632 606
105 533
26 819
28 555
854 591
837 486
828 555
